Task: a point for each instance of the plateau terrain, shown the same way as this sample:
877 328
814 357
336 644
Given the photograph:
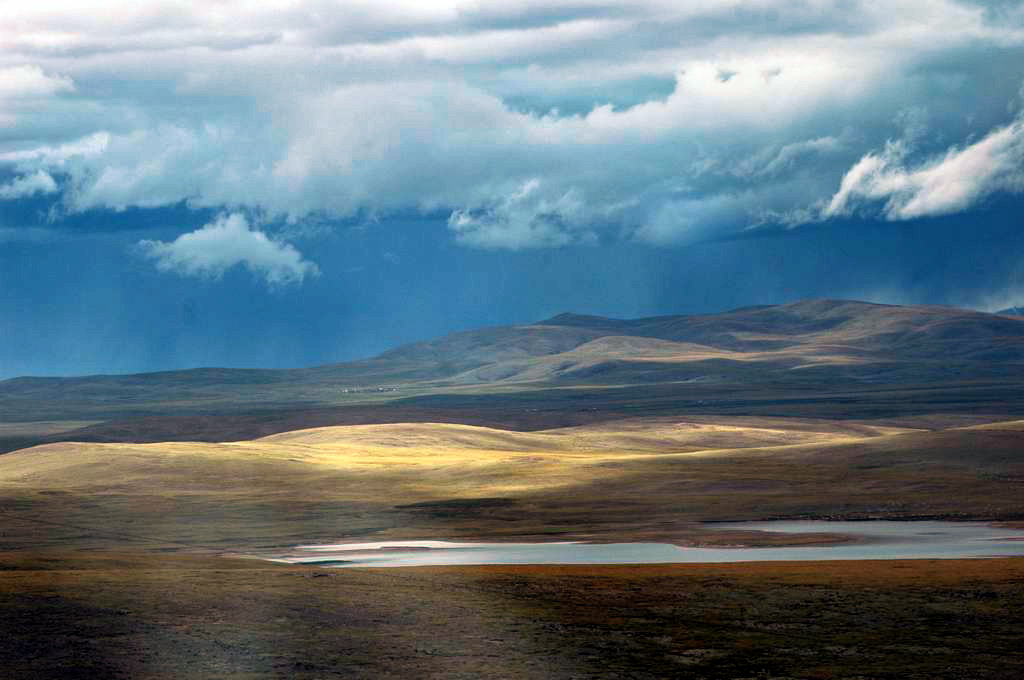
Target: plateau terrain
127 503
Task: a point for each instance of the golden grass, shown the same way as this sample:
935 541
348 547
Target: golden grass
404 461
1008 425
650 479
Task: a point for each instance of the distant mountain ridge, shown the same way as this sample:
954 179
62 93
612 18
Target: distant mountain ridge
836 357
860 329
802 342
924 332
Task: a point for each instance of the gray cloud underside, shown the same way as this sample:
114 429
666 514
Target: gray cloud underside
673 121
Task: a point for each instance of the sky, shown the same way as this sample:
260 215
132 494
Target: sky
274 183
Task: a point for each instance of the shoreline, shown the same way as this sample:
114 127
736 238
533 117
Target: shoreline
815 542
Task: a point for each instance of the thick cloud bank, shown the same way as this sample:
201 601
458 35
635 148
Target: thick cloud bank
528 124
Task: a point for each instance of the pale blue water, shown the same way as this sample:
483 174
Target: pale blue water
879 540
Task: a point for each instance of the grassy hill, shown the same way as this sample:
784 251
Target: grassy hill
625 480
849 358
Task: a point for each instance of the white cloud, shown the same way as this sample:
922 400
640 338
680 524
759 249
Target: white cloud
776 161
523 219
29 80
38 182
58 156
227 242
950 183
24 86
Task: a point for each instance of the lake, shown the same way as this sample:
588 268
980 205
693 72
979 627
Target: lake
876 540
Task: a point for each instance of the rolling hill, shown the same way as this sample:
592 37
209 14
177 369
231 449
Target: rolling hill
625 480
129 499
756 360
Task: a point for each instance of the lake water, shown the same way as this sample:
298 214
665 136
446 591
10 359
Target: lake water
876 540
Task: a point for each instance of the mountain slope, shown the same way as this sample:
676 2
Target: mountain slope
857 328
805 345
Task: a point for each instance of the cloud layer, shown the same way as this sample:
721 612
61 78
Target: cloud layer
525 123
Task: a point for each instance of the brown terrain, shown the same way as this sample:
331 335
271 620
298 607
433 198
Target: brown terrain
120 615
122 497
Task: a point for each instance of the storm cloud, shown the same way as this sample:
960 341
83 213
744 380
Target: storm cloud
528 124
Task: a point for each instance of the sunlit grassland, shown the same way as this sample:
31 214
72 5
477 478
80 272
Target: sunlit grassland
424 459
629 480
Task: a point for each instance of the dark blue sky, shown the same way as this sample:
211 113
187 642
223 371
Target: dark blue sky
258 184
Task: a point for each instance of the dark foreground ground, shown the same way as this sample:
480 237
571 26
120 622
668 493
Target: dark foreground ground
109 615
